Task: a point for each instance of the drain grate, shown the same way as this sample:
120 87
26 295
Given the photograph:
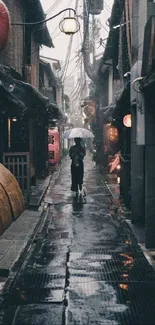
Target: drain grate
101 303
21 296
37 288
110 266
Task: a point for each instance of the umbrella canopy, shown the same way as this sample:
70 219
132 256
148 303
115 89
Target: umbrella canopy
78 133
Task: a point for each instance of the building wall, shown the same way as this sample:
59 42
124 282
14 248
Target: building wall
46 80
13 53
149 157
142 152
139 18
104 96
35 59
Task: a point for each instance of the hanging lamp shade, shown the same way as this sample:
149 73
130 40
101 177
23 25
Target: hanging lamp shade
4 25
127 120
69 25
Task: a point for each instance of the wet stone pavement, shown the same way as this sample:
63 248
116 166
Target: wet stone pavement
85 267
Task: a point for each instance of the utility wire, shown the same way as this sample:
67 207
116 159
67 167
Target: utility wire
103 27
78 93
107 7
73 98
54 6
35 23
69 50
56 35
75 88
57 27
73 71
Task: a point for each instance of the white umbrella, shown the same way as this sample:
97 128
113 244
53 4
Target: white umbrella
78 133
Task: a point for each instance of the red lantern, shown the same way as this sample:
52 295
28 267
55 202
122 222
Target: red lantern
4 25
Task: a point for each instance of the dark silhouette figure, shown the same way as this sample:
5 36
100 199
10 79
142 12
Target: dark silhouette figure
77 153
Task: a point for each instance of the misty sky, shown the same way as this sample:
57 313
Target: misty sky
60 40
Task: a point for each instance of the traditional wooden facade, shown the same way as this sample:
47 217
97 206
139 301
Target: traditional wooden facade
114 73
24 111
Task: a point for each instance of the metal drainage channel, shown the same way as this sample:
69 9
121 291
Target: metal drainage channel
128 277
30 286
37 288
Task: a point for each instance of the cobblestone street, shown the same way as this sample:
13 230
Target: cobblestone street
85 267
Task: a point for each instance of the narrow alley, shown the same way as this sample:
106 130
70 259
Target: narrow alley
85 268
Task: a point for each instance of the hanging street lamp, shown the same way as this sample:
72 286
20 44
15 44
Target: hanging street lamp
69 25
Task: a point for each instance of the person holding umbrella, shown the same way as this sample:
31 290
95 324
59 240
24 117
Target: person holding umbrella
77 153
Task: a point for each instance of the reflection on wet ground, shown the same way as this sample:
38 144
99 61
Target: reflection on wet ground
86 267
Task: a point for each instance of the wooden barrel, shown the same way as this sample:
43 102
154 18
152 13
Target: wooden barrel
5 211
10 197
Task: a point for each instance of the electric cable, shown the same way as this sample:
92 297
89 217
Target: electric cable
103 27
78 94
76 88
107 7
73 71
57 27
54 6
69 50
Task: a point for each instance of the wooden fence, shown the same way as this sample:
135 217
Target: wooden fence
19 165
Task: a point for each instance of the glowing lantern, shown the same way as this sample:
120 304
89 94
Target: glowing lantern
113 134
127 120
4 25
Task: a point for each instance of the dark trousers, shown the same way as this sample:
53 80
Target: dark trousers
77 176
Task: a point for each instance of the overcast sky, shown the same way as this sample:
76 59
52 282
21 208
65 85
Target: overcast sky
61 40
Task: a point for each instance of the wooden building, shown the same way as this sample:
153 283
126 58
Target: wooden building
24 111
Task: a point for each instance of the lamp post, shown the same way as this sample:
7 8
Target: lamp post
69 25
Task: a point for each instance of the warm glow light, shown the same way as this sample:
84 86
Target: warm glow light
118 180
127 120
123 286
113 134
69 25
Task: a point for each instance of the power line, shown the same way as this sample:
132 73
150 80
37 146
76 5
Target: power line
107 5
103 27
77 63
69 50
78 93
75 89
56 35
73 71
57 27
54 6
